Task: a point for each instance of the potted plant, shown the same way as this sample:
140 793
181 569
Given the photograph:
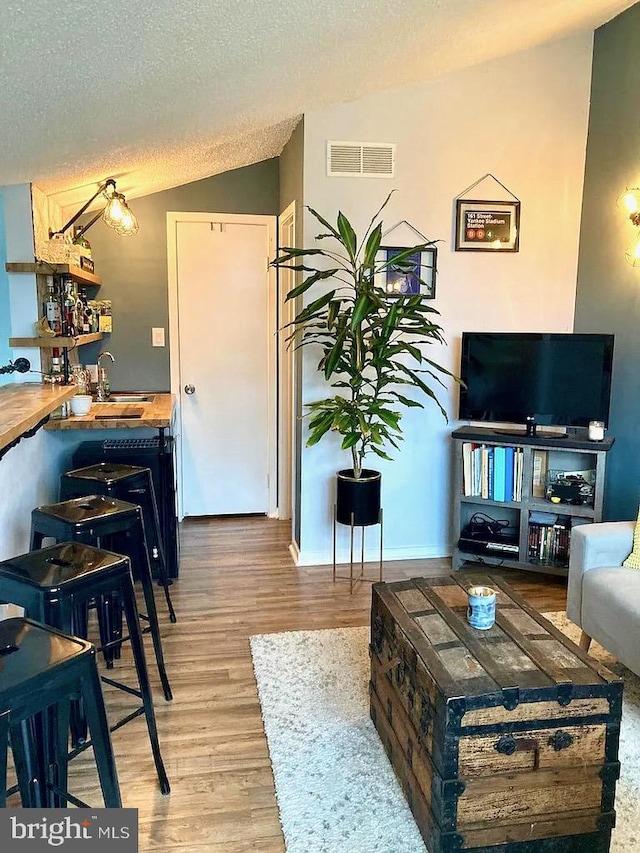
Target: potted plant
370 351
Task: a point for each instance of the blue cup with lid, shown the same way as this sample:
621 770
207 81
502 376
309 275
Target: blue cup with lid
481 609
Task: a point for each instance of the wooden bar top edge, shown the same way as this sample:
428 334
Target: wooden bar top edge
24 404
157 414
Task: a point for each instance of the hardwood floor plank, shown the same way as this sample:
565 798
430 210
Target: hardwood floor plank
237 579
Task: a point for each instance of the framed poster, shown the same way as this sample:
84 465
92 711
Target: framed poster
487 226
414 275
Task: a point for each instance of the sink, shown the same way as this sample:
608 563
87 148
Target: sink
130 398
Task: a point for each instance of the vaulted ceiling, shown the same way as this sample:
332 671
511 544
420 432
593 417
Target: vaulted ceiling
157 94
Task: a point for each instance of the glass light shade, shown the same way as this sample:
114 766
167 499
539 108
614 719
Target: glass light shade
114 210
629 201
128 224
632 255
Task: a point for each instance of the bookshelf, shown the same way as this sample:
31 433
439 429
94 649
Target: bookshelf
532 490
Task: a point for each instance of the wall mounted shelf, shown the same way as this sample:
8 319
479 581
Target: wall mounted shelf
45 268
60 342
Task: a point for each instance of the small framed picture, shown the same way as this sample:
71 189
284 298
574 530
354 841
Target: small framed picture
414 275
487 226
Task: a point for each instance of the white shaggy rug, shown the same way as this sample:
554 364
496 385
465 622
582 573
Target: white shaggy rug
335 788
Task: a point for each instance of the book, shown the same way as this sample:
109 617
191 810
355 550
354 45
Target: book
509 464
499 474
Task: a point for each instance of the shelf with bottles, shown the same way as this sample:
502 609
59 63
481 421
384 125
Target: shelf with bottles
79 275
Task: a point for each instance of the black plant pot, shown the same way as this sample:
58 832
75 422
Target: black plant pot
358 498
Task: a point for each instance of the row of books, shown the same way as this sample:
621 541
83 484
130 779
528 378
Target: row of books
494 473
549 544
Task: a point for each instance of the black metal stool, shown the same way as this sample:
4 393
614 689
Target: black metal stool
131 483
40 670
53 585
115 525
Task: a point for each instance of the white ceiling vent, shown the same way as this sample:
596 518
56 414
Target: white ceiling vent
361 159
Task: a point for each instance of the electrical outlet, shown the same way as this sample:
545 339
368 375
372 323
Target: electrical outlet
93 370
157 336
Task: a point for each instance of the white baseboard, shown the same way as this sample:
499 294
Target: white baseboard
294 550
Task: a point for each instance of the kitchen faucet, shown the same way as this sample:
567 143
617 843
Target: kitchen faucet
103 389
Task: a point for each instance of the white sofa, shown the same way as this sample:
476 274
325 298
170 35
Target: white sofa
603 597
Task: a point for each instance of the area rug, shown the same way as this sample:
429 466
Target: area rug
335 788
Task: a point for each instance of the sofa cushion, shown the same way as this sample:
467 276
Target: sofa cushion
611 612
633 560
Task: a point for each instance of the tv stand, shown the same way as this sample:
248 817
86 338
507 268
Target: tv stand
519 433
541 526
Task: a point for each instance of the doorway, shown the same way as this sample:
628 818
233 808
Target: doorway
222 318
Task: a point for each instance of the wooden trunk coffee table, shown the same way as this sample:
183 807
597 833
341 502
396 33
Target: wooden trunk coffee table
505 740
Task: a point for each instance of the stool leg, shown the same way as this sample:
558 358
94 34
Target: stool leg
137 647
37 539
28 769
76 621
149 498
58 750
139 543
91 692
4 745
106 624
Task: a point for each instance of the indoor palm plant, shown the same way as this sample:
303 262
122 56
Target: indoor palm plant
370 345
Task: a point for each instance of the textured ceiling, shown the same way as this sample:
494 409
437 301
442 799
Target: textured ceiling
160 93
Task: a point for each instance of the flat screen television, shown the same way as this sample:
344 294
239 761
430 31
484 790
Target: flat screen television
536 378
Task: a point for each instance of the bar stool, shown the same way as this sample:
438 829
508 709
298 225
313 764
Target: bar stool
40 670
131 483
4 743
53 585
105 522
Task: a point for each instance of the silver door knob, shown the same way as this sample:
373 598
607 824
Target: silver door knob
189 389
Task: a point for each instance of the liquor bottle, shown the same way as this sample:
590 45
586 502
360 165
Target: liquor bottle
52 308
69 310
83 323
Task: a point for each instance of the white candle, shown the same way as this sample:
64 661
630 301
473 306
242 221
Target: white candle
596 430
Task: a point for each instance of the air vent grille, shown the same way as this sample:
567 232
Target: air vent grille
361 159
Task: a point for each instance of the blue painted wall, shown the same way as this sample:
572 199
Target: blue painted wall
4 298
608 292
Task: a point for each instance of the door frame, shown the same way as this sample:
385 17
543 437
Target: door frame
173 219
286 379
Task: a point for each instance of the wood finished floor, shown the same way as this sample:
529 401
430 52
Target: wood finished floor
236 579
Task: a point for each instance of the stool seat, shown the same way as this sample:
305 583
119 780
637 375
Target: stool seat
84 509
40 670
51 568
107 472
55 585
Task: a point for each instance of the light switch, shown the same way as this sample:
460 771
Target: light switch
157 336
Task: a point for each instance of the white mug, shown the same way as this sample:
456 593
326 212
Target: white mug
81 404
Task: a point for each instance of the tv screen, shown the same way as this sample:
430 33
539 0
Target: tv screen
540 378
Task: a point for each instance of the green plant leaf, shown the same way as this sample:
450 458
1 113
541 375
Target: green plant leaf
350 440
373 245
347 235
324 222
319 275
360 310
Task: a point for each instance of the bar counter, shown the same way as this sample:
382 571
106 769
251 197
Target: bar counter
157 413
24 404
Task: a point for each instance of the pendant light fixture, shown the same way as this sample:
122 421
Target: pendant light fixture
116 213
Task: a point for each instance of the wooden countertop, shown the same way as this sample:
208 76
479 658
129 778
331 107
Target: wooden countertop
24 404
155 413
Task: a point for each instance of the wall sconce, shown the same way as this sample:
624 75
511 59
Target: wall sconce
116 213
629 203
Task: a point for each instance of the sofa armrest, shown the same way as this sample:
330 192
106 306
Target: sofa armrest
595 546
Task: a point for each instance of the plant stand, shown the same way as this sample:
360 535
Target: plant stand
354 579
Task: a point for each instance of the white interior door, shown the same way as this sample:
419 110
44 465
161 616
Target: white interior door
226 326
